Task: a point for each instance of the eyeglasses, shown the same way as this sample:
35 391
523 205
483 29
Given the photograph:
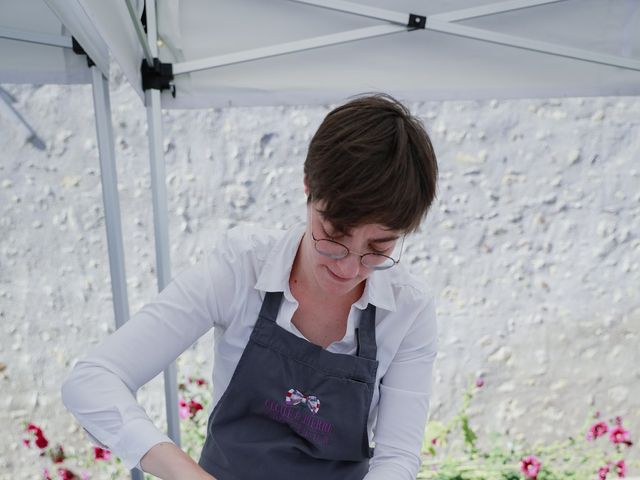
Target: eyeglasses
337 251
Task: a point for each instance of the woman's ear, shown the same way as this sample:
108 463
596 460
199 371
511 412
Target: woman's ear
306 186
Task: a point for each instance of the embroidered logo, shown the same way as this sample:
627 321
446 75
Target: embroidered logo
294 397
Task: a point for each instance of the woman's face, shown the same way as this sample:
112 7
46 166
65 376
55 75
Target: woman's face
344 276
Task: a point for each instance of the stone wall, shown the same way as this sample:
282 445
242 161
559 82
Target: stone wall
532 249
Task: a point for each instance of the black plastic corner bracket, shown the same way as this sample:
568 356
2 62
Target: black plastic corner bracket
78 50
157 76
417 21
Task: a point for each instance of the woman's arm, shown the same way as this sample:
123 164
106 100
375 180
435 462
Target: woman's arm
100 389
405 391
167 461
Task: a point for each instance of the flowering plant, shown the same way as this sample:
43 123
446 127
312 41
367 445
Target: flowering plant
597 454
193 402
97 462
57 456
582 457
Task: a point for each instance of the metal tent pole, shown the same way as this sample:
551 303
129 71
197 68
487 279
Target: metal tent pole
160 217
110 198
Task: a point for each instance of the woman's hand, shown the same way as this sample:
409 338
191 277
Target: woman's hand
168 462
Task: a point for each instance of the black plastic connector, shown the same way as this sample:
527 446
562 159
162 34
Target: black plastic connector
157 76
78 50
417 21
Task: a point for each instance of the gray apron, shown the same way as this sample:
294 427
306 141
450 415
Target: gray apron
292 409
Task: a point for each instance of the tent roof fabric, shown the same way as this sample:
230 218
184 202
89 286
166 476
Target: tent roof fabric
460 55
37 63
418 64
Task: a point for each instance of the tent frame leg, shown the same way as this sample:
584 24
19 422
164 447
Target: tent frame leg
110 197
111 201
160 218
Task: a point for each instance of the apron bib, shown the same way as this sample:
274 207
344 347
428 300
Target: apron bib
292 409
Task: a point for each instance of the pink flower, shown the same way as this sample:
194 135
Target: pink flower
621 469
620 435
46 475
597 430
188 409
101 454
479 382
183 410
530 466
66 474
602 472
85 475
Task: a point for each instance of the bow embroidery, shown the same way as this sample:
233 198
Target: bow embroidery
294 397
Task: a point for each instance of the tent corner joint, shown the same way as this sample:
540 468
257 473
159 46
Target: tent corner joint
78 50
157 76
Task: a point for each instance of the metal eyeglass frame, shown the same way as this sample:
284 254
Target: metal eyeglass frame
361 255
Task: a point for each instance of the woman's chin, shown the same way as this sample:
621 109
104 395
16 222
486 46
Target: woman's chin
335 285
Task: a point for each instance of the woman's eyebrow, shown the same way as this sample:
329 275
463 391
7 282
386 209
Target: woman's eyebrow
384 239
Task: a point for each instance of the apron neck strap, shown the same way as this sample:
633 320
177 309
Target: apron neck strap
270 306
366 334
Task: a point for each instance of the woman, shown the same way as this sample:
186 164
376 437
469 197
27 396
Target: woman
324 343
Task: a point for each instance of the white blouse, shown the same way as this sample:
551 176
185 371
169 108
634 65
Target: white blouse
225 291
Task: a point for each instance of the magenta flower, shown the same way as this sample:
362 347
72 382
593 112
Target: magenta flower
621 469
40 440
530 466
620 435
194 407
602 472
597 430
479 382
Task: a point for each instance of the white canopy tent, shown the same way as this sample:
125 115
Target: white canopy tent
266 52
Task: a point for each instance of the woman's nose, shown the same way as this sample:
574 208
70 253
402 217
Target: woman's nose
349 266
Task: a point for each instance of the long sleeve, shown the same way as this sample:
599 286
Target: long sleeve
405 392
99 391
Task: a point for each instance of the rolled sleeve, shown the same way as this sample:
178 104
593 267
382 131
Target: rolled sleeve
405 392
100 390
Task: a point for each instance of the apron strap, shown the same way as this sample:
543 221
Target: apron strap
271 306
366 334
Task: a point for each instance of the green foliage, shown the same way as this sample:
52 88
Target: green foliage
445 457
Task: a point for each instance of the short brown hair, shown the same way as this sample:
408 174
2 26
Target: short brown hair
371 161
